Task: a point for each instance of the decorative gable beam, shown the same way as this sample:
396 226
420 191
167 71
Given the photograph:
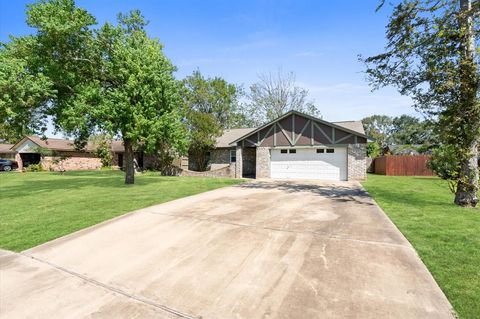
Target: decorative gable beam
343 138
285 133
323 133
301 132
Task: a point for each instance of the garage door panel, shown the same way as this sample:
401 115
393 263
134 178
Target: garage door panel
308 164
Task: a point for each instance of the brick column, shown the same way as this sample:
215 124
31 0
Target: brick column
19 161
263 162
238 163
357 161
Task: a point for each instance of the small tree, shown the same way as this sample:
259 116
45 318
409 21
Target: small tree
204 129
103 148
446 164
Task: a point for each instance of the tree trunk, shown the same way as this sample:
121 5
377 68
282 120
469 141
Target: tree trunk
467 187
128 162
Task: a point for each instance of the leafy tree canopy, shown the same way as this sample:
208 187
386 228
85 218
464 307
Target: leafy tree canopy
431 55
113 79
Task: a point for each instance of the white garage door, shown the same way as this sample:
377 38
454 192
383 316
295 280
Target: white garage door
307 163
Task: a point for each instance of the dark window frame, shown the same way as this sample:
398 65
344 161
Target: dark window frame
233 158
292 151
330 150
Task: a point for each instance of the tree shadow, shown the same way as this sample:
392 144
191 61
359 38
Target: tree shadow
336 192
72 181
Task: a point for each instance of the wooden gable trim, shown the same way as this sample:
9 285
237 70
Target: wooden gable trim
285 133
301 132
344 138
321 131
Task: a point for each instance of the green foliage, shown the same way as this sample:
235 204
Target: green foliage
404 129
374 149
378 127
34 168
407 129
103 149
446 164
213 96
204 129
432 56
24 95
113 79
212 105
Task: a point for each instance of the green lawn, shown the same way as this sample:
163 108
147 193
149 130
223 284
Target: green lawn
446 237
38 207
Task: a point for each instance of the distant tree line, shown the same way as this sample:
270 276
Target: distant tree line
405 130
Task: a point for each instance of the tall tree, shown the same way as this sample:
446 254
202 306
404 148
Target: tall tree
431 56
212 105
213 96
276 94
379 127
408 129
114 79
24 95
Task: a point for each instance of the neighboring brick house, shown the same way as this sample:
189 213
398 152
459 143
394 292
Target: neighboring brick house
6 151
64 155
294 145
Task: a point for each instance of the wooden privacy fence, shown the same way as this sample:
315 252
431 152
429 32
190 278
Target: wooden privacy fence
403 165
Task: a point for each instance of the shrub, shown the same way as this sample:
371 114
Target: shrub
34 168
446 163
373 149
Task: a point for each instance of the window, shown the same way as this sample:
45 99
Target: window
330 150
320 150
233 156
283 151
207 156
292 151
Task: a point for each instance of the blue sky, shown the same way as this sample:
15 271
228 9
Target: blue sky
318 40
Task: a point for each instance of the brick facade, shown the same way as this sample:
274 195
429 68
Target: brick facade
239 163
225 172
263 162
72 161
357 161
219 158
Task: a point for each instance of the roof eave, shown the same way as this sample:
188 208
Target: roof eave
234 143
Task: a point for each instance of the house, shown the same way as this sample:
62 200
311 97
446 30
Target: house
6 152
61 154
295 145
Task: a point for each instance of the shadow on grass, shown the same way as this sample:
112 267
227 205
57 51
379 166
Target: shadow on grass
339 193
75 181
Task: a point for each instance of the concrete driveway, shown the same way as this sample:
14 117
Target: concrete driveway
267 249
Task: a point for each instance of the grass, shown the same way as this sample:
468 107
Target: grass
38 207
446 237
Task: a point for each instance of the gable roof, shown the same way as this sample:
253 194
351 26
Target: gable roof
58 144
6 148
356 126
352 127
231 135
